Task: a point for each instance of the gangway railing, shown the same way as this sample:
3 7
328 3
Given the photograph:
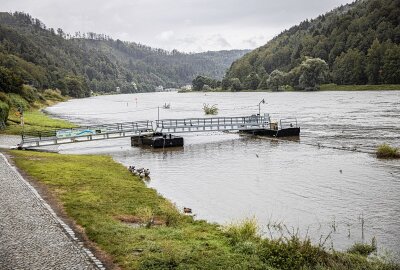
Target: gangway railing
212 124
85 133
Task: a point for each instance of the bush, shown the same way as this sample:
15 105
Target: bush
17 101
30 93
244 231
387 151
4 110
51 94
4 98
213 110
363 249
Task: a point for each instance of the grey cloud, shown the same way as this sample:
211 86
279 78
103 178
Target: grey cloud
201 24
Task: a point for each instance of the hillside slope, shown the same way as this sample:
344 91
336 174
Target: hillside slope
359 42
48 58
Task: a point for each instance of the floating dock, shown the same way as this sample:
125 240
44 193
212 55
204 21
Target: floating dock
157 140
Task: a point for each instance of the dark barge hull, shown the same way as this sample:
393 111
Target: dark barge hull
157 140
285 132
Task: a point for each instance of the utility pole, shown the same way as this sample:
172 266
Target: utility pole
259 108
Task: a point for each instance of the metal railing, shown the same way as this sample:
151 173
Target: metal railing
211 123
57 135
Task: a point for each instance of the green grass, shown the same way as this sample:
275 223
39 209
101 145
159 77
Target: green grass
98 193
34 121
335 87
387 151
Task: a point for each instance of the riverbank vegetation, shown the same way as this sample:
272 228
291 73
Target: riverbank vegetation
387 151
142 230
354 44
19 100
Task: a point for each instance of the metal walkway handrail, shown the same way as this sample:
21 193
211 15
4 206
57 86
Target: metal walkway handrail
211 124
85 133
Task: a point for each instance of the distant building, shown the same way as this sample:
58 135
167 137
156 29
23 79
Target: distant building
187 87
159 88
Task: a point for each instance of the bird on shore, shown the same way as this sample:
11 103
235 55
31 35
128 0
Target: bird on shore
340 171
187 210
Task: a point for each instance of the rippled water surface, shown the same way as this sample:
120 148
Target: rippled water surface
326 182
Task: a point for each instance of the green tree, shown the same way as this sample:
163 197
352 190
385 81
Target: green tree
9 82
348 68
313 72
264 82
76 87
236 85
391 64
276 80
252 81
373 67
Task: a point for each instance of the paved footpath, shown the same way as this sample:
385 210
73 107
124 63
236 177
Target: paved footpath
31 235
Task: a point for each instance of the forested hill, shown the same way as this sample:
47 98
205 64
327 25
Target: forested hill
77 63
359 42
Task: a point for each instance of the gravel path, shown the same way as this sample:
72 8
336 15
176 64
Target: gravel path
31 235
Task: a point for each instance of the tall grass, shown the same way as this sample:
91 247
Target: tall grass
387 151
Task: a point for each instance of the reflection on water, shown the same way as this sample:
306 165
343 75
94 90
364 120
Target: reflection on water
310 184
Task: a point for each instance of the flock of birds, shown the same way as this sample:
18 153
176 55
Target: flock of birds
142 172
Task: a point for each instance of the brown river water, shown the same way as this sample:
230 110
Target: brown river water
327 185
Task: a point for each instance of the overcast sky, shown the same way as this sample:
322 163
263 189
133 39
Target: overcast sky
186 25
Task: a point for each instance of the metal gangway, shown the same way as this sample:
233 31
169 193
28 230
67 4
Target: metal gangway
85 133
144 128
253 122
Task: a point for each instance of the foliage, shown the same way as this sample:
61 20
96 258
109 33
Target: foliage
358 41
363 249
244 231
4 110
313 71
252 81
95 190
213 110
276 80
236 85
387 151
9 82
201 82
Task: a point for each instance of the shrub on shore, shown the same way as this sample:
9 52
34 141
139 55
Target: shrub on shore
387 151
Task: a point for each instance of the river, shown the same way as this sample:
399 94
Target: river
328 184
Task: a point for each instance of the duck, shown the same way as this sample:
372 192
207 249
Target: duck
146 172
140 170
142 175
187 210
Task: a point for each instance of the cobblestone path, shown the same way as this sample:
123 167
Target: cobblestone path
31 235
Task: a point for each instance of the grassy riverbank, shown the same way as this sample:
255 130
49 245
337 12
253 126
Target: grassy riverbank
34 120
382 87
142 230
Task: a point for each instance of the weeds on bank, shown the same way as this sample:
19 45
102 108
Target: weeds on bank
387 151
